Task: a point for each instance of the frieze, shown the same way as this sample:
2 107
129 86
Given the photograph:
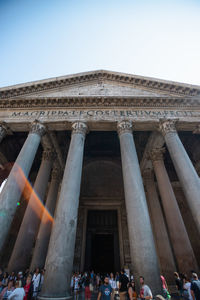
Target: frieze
99 101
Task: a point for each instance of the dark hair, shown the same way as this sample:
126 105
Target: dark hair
142 277
130 285
194 275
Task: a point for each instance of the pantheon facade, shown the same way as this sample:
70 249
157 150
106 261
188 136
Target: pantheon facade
101 173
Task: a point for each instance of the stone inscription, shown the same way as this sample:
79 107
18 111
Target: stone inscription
102 114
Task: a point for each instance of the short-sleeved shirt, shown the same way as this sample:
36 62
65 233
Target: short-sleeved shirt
106 291
145 291
195 287
123 279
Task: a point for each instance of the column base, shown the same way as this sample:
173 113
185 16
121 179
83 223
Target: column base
54 298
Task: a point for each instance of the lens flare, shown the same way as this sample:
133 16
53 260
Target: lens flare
27 192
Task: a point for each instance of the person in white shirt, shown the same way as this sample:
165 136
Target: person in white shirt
18 293
113 285
36 282
145 292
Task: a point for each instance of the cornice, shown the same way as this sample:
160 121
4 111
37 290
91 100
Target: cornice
98 101
137 81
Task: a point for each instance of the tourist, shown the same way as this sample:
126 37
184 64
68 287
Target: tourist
87 288
18 293
20 278
76 283
7 291
113 284
195 287
179 283
41 279
36 282
165 287
145 291
12 276
5 279
105 290
123 285
98 280
186 288
28 288
131 291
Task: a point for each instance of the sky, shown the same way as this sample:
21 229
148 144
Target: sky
40 39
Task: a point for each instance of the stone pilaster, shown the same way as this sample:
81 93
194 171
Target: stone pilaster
142 247
62 242
185 170
184 255
16 181
20 258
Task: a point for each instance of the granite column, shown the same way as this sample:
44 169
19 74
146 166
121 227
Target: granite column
20 258
43 237
59 262
179 238
185 170
16 181
164 250
143 251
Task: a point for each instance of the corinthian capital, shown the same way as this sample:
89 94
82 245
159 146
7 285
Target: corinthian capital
197 129
167 125
124 127
37 127
156 154
79 127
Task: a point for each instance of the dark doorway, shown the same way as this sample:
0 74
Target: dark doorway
102 242
103 252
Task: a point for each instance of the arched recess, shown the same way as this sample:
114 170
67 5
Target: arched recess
102 178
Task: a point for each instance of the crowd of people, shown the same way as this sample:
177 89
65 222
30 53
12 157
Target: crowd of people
118 286
188 288
27 285
21 286
122 286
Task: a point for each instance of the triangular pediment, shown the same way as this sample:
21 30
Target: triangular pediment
100 83
98 89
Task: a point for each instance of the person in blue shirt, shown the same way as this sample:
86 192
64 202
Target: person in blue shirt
105 290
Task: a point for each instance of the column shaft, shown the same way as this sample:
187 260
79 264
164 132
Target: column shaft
20 258
43 237
167 263
184 254
185 170
62 242
3 131
16 181
143 252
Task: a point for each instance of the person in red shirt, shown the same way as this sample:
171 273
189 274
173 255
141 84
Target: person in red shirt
28 288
